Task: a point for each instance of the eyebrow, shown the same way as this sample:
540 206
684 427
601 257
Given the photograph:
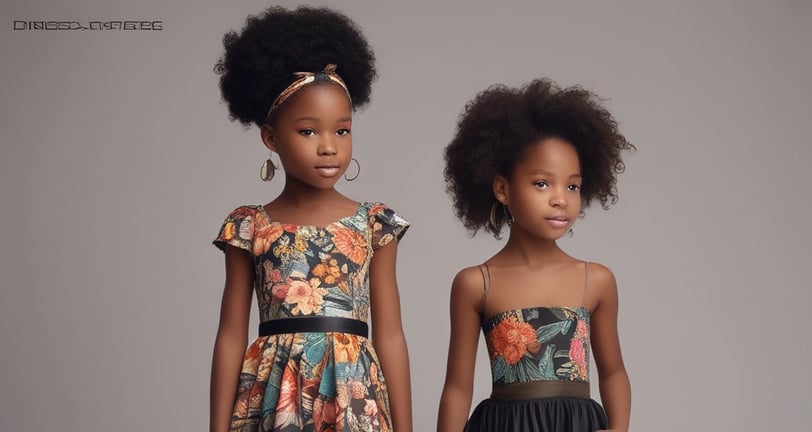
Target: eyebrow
543 171
318 120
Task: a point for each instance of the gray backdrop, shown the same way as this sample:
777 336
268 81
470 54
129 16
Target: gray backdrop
118 165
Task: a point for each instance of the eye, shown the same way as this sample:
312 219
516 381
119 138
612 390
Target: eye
574 187
342 132
307 132
541 184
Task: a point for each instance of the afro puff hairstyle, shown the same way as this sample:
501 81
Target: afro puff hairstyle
499 125
260 60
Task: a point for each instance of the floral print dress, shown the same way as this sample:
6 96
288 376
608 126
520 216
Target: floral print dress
311 381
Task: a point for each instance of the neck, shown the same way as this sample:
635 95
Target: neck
302 194
527 250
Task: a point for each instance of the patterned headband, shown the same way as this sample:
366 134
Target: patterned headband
303 79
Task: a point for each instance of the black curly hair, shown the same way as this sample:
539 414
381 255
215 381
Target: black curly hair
499 124
260 60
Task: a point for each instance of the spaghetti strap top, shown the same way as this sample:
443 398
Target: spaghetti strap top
541 343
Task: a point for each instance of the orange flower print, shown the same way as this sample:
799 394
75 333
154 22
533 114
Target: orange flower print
287 406
308 297
350 243
512 339
228 231
327 270
265 237
291 228
373 373
377 208
346 348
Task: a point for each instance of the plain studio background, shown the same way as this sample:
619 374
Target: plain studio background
119 164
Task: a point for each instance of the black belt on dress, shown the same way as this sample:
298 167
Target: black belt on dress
540 390
320 324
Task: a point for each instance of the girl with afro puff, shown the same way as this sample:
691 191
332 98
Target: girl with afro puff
532 159
318 262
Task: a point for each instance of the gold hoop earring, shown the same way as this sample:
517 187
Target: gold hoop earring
357 164
492 218
508 215
268 169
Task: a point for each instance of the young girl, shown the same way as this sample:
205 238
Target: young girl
319 262
532 159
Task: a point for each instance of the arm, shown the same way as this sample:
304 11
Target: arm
387 335
614 382
455 403
232 337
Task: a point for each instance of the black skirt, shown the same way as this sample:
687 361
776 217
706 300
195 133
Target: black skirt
556 414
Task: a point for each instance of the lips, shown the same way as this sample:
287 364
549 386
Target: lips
328 170
558 221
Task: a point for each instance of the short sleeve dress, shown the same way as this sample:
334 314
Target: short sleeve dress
311 380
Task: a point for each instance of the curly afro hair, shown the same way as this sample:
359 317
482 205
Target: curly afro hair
259 62
500 123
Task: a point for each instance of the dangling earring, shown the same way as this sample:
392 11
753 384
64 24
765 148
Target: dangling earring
571 232
268 170
492 218
357 164
508 216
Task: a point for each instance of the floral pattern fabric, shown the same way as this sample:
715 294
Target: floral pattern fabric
541 343
311 381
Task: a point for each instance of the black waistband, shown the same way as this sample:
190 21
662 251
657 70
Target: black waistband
540 390
314 325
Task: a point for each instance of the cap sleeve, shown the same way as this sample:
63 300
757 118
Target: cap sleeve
238 229
386 225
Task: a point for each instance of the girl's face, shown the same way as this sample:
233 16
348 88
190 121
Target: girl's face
312 135
544 191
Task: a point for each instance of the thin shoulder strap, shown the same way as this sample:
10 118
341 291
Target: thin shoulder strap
486 283
586 279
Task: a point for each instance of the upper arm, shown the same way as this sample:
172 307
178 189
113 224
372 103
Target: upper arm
465 300
604 334
236 304
383 291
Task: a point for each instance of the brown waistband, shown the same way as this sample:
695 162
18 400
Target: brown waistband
541 389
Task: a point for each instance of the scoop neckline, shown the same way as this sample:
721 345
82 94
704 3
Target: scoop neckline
318 226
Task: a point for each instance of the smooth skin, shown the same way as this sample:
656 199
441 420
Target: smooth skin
543 196
312 134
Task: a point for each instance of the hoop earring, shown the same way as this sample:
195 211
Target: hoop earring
357 164
492 218
508 216
268 170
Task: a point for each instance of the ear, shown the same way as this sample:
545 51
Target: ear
269 138
501 189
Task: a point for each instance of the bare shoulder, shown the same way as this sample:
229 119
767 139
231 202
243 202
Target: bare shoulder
468 285
600 275
601 281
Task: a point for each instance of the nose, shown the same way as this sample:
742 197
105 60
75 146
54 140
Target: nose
559 199
327 147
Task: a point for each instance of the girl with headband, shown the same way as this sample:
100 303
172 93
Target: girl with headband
318 262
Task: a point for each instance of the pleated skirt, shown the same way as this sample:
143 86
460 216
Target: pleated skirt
555 414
